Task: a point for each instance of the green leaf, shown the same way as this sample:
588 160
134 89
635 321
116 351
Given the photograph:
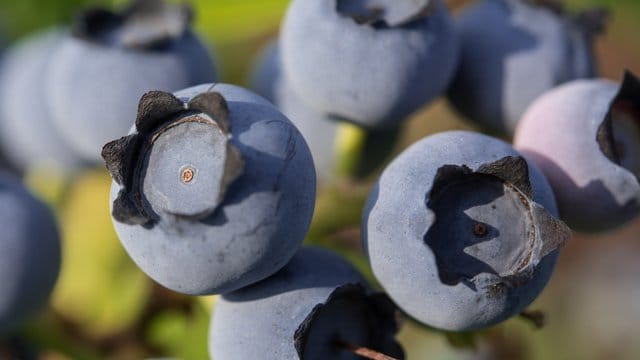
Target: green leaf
100 289
180 335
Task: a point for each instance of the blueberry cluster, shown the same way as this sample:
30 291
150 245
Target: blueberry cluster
214 186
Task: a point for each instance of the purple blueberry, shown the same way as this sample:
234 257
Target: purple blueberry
372 62
585 136
27 132
109 60
460 231
213 190
512 51
29 254
305 311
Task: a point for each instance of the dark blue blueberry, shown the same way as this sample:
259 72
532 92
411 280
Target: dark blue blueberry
213 190
460 231
27 132
308 310
512 51
372 62
101 69
29 254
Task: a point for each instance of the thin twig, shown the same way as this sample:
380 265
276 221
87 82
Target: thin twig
363 351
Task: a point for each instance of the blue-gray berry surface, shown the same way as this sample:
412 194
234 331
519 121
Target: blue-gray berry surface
213 190
585 137
29 254
27 133
511 52
372 62
319 130
101 69
460 231
304 311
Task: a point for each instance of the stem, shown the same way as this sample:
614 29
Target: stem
362 351
361 152
594 20
536 318
350 142
556 6
456 4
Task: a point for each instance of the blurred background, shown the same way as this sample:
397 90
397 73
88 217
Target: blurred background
104 307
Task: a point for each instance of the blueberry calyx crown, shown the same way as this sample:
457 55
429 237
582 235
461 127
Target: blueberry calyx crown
144 25
386 13
624 108
157 112
382 321
467 238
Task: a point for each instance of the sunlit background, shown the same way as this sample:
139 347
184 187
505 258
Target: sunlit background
104 307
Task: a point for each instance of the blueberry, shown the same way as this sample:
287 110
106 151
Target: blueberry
213 190
109 60
29 253
314 303
27 133
585 136
460 231
318 130
372 62
512 51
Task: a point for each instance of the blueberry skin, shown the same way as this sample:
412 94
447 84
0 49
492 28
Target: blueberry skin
30 254
318 130
405 240
372 74
258 225
561 132
512 52
261 320
28 135
93 86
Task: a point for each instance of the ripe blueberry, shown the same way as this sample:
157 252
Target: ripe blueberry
308 310
585 136
460 231
29 253
512 51
28 135
372 62
109 60
213 190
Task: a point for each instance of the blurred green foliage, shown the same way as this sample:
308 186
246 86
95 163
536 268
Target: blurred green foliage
100 289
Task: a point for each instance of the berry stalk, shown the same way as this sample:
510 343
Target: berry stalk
360 151
362 351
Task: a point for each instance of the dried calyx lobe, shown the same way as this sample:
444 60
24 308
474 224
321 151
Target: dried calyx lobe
125 157
486 222
320 336
143 25
619 133
385 13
